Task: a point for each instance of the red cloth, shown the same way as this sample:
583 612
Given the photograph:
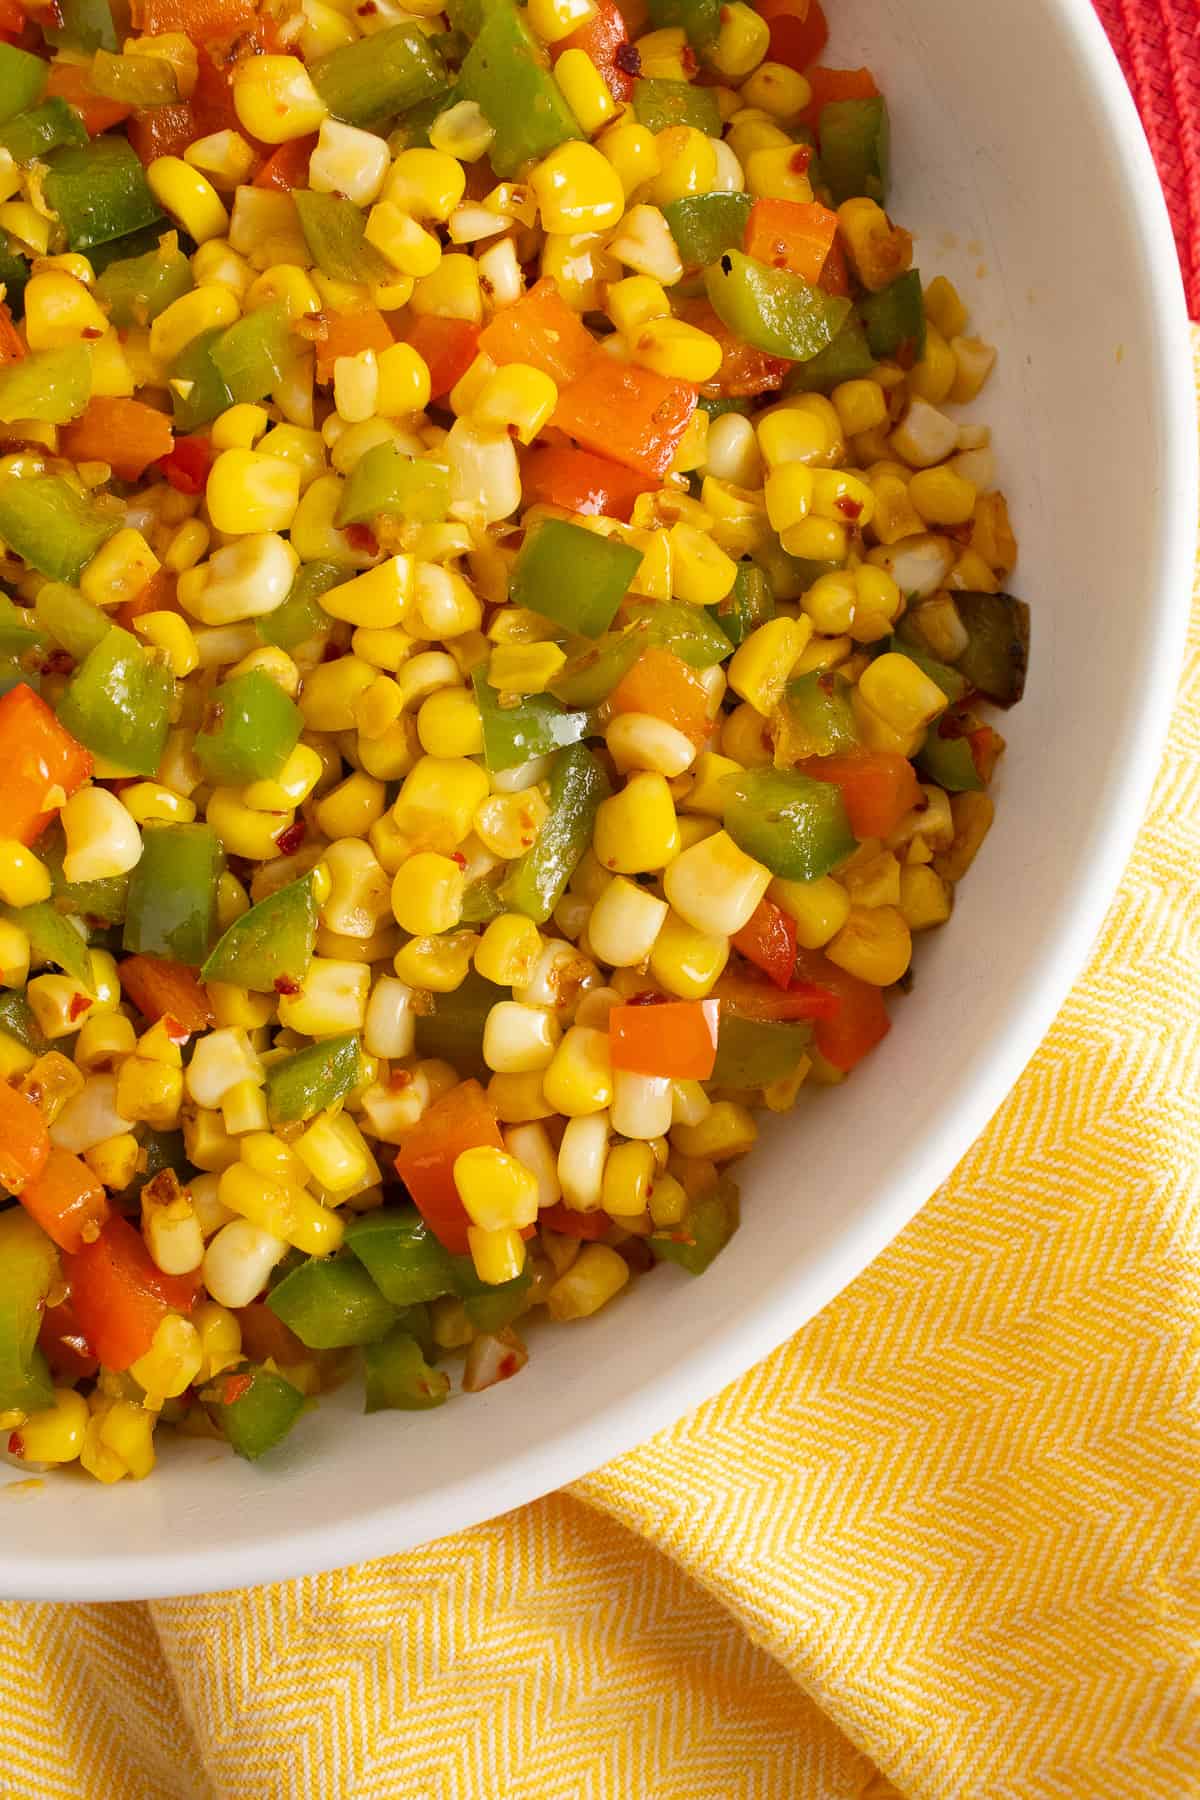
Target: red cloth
1158 43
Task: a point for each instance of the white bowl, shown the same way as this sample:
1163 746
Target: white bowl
1021 164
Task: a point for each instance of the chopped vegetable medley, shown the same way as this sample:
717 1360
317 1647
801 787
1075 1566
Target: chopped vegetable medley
498 605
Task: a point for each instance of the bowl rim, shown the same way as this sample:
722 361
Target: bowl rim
621 1424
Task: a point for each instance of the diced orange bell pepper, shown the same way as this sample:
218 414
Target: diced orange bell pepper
62 1342
835 84
799 31
156 131
878 787
69 82
126 434
120 1296
676 1038
161 989
569 1223
12 20
744 371
630 414
460 1120
791 234
661 683
768 940
540 329
348 333
605 38
66 1200
202 20
264 1334
446 346
856 1024
157 595
187 464
835 276
287 166
12 345
24 1140
750 997
43 764
559 475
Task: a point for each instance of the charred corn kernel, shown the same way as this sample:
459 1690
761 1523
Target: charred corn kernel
517 399
629 1177
644 741
779 172
577 189
119 569
462 131
762 664
332 998
250 493
54 1433
632 151
595 1276
440 964
674 348
636 829
991 534
664 55
427 894
149 1093
378 599
102 838
900 692
741 42
688 165
204 309
24 878
239 427
974 362
496 1189
578 1080
438 801
50 1082
685 961
555 19
188 196
925 898
776 89
331 692
788 492
239 1259
275 100
874 945
224 157
585 90
972 815
878 250
352 807
59 311
944 309
426 183
715 886
508 950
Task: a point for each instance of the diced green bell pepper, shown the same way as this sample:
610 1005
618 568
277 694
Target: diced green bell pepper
748 604
99 192
703 225
794 826
13 675
52 385
490 1308
134 80
396 1376
387 480
533 726
817 717
101 902
657 104
704 1231
18 628
52 526
331 1303
303 1084
751 1053
855 137
847 358
43 128
452 1030
507 73
17 1019
86 25
690 631
274 939
701 19
481 902
253 1408
118 702
52 939
22 81
536 883
335 232
135 289
250 356
402 1256
572 575
949 762
249 730
14 273
198 390
772 309
715 405
895 317
302 616
28 1270
378 76
172 905
412 127
997 654
68 619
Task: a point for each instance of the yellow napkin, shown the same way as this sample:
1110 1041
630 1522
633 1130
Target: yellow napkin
943 1544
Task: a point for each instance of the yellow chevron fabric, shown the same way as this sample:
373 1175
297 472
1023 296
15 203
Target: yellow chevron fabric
943 1545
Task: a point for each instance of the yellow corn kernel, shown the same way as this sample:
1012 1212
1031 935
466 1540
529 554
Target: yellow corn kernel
632 150
872 877
517 399
691 451
595 1276
332 998
496 1189
168 631
438 801
861 406
779 172
427 894
840 495
688 165
700 571
707 792
578 1080
762 664
426 183
378 707
451 292
741 43
524 668
577 189
674 348
934 376
508 950
944 309
24 878
440 964
113 1161
776 89
974 362
820 908
281 1208
335 1154
54 1433
404 385
220 1337
275 100
248 492
878 250
188 196
294 783
726 1130
635 302
925 898
14 954
556 19
715 886
60 311
991 534
149 1093
352 807
874 944
204 309
585 91
636 829
788 492
685 961
243 830
239 427
331 692
942 497
630 1175
972 814
119 569
102 839
378 599
224 157
895 688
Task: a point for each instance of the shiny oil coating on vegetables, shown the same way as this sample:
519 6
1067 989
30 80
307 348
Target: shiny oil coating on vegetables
497 594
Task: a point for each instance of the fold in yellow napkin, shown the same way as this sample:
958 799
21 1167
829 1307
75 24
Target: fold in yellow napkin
944 1544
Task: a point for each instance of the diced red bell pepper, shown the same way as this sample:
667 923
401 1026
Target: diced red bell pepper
62 1342
201 20
799 31
631 414
126 434
12 345
860 1020
569 1223
540 329
750 998
675 1038
835 84
66 1200
878 786
348 333
120 1296
768 940
24 1140
188 462
744 371
162 989
835 276
559 475
12 20
447 347
43 764
791 234
460 1120
605 38
287 166
156 595
156 131
69 82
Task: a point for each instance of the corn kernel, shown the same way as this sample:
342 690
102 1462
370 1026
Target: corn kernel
596 1275
275 100
585 91
577 189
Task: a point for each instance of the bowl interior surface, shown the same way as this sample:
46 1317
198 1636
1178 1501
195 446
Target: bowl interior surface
1020 166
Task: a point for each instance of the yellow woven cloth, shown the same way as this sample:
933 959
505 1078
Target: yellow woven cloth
945 1543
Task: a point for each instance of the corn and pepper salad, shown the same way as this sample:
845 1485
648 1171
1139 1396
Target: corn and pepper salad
496 604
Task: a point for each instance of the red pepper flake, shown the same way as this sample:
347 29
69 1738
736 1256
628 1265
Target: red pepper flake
628 58
508 1365
286 984
291 837
800 158
58 662
399 1079
456 856
177 1033
361 537
16 1444
646 998
848 507
234 1388
688 62
79 1004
